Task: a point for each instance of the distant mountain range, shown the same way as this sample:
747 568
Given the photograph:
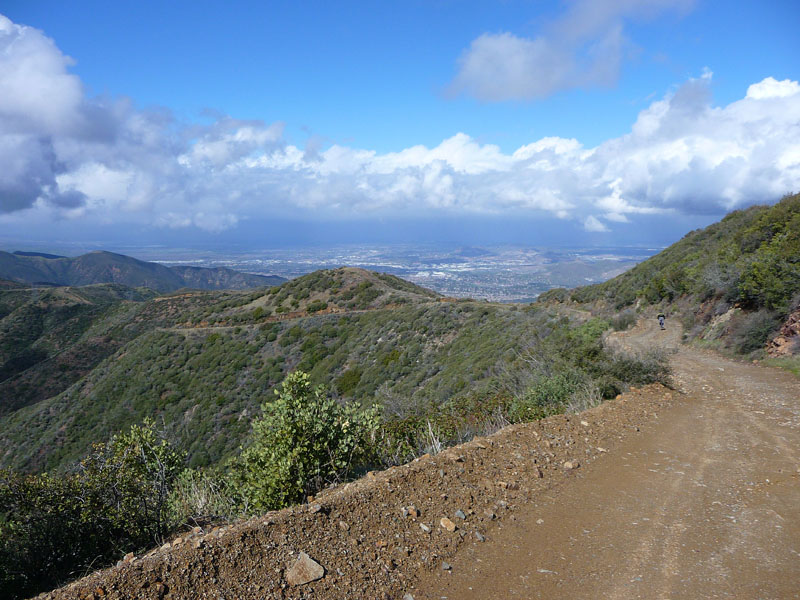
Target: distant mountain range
36 268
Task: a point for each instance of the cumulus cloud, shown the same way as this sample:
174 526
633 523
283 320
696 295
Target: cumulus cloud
585 47
772 88
105 161
592 223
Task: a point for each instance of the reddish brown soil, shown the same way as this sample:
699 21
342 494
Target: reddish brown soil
676 495
706 504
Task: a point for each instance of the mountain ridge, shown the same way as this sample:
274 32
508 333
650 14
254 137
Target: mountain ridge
101 266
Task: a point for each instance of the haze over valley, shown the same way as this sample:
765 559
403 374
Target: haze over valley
496 273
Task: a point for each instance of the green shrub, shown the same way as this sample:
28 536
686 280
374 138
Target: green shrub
753 330
347 382
316 306
303 441
640 369
54 526
546 396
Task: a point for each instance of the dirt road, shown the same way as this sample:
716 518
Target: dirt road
705 505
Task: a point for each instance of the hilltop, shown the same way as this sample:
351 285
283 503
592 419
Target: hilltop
37 268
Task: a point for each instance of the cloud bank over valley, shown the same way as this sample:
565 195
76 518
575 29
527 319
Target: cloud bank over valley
67 155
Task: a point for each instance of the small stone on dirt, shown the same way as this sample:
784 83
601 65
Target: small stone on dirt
446 566
447 524
571 464
304 570
424 528
460 514
480 537
344 526
539 521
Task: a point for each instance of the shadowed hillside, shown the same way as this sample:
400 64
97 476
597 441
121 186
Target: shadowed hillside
108 267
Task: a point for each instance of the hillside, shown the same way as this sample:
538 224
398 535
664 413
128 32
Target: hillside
649 494
51 337
169 420
205 361
733 283
108 267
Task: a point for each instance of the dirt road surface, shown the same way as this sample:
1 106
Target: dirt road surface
705 505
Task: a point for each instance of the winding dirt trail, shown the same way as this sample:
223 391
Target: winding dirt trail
706 504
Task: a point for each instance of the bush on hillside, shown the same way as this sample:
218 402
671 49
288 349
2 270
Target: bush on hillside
54 527
303 441
751 258
544 397
624 320
752 330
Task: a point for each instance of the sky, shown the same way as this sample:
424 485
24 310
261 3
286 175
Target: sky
607 122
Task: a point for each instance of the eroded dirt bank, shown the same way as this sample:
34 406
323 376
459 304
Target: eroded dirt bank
670 495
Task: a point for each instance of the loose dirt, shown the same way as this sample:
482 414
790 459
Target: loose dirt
706 504
659 494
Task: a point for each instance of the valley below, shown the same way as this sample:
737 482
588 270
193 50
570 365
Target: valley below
495 273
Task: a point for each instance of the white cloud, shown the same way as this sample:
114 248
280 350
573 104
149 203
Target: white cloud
593 224
107 162
585 47
772 88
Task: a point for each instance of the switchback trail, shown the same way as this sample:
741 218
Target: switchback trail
704 504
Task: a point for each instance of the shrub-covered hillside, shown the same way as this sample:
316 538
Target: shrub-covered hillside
203 362
51 337
751 257
203 406
735 282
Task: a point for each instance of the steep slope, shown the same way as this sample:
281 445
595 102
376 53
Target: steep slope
51 337
381 536
751 256
108 267
204 362
735 281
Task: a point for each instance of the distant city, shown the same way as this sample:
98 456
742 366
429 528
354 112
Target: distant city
495 273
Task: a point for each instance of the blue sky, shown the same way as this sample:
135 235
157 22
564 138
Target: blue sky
184 119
